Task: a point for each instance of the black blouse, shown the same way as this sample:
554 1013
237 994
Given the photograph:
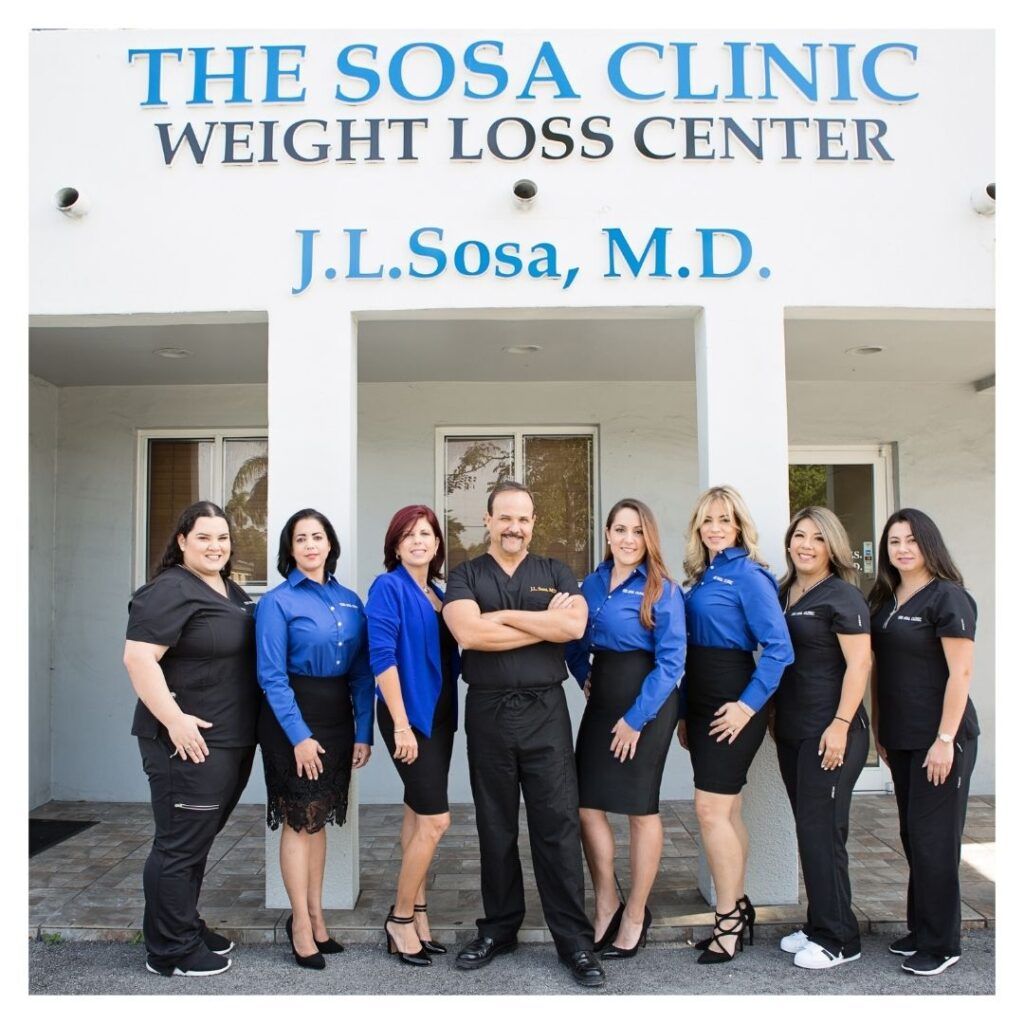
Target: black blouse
210 664
912 668
808 696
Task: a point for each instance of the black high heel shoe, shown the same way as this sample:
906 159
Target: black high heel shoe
315 961
749 912
611 931
419 957
618 953
732 923
429 945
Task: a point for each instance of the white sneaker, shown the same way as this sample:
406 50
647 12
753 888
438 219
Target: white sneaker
794 942
817 958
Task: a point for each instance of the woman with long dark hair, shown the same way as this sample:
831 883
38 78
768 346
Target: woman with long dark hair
922 632
821 727
732 608
415 661
189 653
316 719
636 632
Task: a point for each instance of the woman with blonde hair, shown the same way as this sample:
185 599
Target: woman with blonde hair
821 727
636 631
732 608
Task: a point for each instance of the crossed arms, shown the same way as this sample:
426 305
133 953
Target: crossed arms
564 619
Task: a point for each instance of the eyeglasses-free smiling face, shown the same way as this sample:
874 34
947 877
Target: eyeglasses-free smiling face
510 524
626 538
904 553
207 547
310 547
717 529
808 549
418 546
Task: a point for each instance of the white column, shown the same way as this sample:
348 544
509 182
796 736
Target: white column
311 417
743 441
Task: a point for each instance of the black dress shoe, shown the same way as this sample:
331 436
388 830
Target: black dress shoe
585 968
482 950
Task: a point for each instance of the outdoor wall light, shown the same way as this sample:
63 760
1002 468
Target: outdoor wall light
172 353
521 350
983 199
524 192
865 350
70 202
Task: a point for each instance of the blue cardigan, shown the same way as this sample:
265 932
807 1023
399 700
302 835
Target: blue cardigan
402 630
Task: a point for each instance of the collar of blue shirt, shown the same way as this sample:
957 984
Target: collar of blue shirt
296 576
605 568
731 554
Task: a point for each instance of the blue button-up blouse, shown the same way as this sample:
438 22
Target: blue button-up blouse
614 625
736 605
305 628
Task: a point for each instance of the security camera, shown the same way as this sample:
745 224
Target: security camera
983 199
70 202
524 191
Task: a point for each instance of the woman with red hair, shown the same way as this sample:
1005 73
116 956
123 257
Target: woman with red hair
416 664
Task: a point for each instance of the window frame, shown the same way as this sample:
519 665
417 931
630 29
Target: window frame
217 435
518 454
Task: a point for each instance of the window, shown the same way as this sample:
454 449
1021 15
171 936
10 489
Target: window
177 468
556 463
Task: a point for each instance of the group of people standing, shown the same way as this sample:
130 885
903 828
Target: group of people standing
654 659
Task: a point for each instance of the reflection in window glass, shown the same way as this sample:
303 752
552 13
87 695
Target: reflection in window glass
179 474
245 501
473 465
559 471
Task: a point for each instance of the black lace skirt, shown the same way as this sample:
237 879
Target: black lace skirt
303 803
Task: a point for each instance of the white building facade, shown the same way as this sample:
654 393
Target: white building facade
359 270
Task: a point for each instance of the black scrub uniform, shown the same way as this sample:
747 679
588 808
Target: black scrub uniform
518 734
806 702
210 668
912 677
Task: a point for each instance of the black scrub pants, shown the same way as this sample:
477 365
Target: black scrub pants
821 808
931 825
523 738
191 804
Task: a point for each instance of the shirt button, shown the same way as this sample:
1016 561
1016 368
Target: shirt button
337 663
340 642
332 607
339 623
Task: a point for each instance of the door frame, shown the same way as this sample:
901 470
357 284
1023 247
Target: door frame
873 779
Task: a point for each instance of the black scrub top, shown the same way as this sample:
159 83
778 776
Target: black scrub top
210 664
912 669
530 589
808 695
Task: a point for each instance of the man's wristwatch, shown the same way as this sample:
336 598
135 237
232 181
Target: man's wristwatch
945 737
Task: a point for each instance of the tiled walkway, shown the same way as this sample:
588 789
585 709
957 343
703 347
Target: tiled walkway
90 886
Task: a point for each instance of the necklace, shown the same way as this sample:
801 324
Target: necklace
213 586
804 591
931 579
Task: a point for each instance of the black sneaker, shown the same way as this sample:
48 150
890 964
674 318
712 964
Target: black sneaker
907 946
928 963
200 964
217 943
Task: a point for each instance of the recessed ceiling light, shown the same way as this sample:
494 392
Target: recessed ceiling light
172 353
865 350
519 350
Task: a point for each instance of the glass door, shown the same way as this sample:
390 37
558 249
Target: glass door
856 483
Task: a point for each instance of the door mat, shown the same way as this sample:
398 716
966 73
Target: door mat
46 832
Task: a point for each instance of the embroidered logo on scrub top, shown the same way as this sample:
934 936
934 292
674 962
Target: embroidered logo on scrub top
345 604
909 618
793 615
635 593
723 579
543 590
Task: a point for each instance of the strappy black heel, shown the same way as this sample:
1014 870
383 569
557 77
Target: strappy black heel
419 957
732 923
429 944
749 912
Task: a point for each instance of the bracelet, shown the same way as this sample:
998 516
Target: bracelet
743 708
404 728
836 718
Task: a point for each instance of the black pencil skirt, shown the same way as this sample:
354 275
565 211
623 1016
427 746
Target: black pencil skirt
606 784
426 779
302 803
714 676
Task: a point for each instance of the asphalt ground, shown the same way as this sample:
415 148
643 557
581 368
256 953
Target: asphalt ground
109 968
